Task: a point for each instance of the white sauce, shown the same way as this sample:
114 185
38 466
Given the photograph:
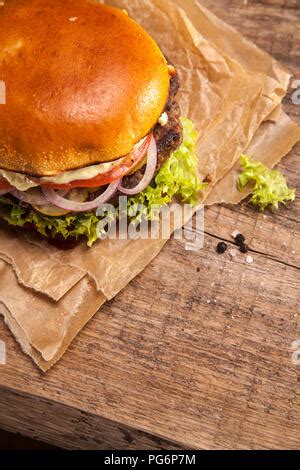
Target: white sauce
23 183
163 120
81 174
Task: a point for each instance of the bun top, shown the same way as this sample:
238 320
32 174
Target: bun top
84 84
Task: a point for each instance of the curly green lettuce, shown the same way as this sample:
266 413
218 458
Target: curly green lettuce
69 226
177 178
269 186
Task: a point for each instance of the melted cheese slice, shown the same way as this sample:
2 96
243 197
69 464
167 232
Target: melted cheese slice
19 181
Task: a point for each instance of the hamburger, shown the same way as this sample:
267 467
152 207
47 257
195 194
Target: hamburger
91 113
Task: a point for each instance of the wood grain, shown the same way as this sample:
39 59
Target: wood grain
196 352
71 427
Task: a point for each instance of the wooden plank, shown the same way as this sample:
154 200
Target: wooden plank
197 351
70 428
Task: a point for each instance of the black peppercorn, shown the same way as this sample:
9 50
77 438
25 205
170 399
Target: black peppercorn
244 248
240 239
221 248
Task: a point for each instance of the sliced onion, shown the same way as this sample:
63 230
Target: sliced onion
33 197
54 198
141 147
149 173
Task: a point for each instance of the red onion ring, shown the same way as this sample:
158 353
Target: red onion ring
54 198
33 199
141 147
149 173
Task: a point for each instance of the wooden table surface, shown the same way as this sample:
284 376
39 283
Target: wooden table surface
181 358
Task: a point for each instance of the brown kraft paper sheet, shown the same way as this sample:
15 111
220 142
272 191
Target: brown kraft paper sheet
234 104
44 328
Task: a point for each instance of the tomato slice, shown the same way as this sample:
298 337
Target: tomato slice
116 173
5 185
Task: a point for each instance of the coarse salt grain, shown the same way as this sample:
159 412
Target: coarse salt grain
235 234
233 253
249 259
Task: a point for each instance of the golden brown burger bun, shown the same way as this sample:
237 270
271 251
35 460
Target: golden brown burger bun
84 84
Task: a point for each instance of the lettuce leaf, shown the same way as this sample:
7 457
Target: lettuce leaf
269 186
177 178
75 226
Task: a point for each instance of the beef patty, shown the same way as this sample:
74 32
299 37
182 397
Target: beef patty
168 137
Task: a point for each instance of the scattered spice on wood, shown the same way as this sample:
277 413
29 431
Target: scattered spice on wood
244 248
240 239
221 248
233 253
